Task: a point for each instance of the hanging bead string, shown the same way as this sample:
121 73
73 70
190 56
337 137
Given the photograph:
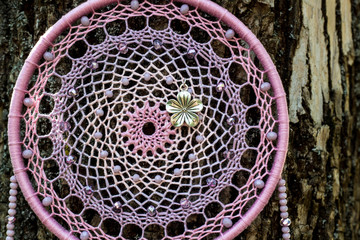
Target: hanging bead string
12 205
285 220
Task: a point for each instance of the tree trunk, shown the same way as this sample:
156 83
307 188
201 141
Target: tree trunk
315 46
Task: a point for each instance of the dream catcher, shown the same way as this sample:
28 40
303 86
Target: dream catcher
135 120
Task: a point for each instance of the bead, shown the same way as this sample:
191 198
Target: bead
48 56
284 208
28 102
284 215
117 207
27 154
285 229
169 80
185 203
85 21
265 86
89 190
184 9
271 136
157 44
134 4
192 157
13 179
98 135
117 169
259 184
282 195
99 112
64 126
231 121
282 182
10 233
229 154
10 226
151 210
84 235
12 199
125 81
227 222
211 182
136 178
93 65
158 179
13 185
283 202
70 160
47 201
147 76
13 192
104 154
191 53
220 87
285 222
201 117
286 236
12 205
11 212
199 138
282 189
109 94
123 48
229 33
177 172
72 92
9 238
11 219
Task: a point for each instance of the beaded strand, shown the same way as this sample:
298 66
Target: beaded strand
285 220
10 226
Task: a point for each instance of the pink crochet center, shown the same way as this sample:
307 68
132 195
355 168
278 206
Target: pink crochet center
72 210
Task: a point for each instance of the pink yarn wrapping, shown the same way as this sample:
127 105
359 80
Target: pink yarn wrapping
79 112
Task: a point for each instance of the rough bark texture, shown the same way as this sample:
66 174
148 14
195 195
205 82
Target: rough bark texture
315 46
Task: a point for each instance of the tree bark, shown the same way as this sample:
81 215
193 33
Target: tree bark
315 46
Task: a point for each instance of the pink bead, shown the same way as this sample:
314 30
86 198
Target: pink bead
284 215
28 102
9 238
27 153
265 86
98 135
85 21
10 226
12 205
11 212
282 189
271 136
13 192
282 195
12 199
286 236
283 202
282 182
13 186
48 56
10 233
285 229
284 208
13 179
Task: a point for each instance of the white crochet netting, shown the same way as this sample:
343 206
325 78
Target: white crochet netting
217 60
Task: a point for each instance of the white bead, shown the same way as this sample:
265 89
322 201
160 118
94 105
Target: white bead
99 112
158 179
192 157
9 238
10 226
13 185
147 76
27 153
117 169
13 192
136 178
169 80
84 235
85 21
48 56
259 184
286 236
11 212
265 86
12 205
177 172
272 136
284 208
227 222
134 4
125 81
199 138
47 201
98 135
28 102
184 9
12 199
282 189
282 182
283 202
104 154
10 233
190 90
109 94
229 33
282 195
13 179
284 215
285 229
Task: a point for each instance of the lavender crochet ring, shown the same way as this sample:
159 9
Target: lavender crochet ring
107 142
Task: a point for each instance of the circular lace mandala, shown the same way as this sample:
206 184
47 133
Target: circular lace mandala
92 144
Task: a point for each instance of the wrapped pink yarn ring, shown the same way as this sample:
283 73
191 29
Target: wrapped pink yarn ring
107 162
